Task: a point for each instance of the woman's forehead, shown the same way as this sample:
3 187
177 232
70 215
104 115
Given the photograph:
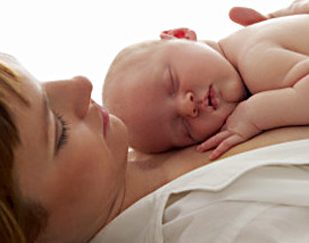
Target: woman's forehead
13 64
15 67
7 57
10 63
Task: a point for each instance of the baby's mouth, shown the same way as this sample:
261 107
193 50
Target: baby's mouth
209 98
212 98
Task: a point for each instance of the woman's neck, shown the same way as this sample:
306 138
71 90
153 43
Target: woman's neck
143 177
146 173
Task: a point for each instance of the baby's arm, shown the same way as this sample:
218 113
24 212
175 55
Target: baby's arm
263 111
239 127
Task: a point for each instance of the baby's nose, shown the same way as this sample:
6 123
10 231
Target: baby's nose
189 107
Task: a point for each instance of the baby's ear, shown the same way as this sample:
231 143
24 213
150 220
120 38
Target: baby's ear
179 33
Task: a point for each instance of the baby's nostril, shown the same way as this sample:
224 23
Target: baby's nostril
195 112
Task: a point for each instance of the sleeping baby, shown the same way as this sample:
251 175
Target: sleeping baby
175 92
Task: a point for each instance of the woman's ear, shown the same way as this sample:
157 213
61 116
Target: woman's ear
179 33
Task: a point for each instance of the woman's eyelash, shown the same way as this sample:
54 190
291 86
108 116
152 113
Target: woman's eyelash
63 139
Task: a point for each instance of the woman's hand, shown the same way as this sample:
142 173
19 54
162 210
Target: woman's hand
247 16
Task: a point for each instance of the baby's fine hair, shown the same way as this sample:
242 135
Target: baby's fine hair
130 54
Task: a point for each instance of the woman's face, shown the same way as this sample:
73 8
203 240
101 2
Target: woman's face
72 158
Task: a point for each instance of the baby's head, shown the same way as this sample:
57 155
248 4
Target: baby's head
171 93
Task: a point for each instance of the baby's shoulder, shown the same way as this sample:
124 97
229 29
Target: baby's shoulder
264 53
291 33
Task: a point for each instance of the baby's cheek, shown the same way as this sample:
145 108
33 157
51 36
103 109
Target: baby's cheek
207 127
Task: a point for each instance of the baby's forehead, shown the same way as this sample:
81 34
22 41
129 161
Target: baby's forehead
134 60
144 51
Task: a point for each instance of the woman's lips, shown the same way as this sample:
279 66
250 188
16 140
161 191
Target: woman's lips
105 119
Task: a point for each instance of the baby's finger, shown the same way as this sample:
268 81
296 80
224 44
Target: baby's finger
213 141
225 146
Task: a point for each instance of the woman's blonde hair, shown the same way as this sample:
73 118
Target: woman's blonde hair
21 219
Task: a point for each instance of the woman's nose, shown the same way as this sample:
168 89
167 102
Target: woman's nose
82 88
188 106
72 95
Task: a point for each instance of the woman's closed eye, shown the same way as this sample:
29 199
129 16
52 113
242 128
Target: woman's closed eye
62 129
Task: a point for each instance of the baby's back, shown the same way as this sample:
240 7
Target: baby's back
265 54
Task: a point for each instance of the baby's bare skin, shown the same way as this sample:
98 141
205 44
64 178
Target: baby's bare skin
272 59
175 93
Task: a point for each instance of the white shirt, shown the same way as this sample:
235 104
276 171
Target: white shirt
260 196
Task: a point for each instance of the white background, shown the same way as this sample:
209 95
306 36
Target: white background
57 39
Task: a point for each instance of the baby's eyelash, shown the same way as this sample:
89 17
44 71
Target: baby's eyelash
63 139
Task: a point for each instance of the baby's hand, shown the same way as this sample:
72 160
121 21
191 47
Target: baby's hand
237 129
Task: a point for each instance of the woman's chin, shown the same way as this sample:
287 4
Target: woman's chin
117 138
